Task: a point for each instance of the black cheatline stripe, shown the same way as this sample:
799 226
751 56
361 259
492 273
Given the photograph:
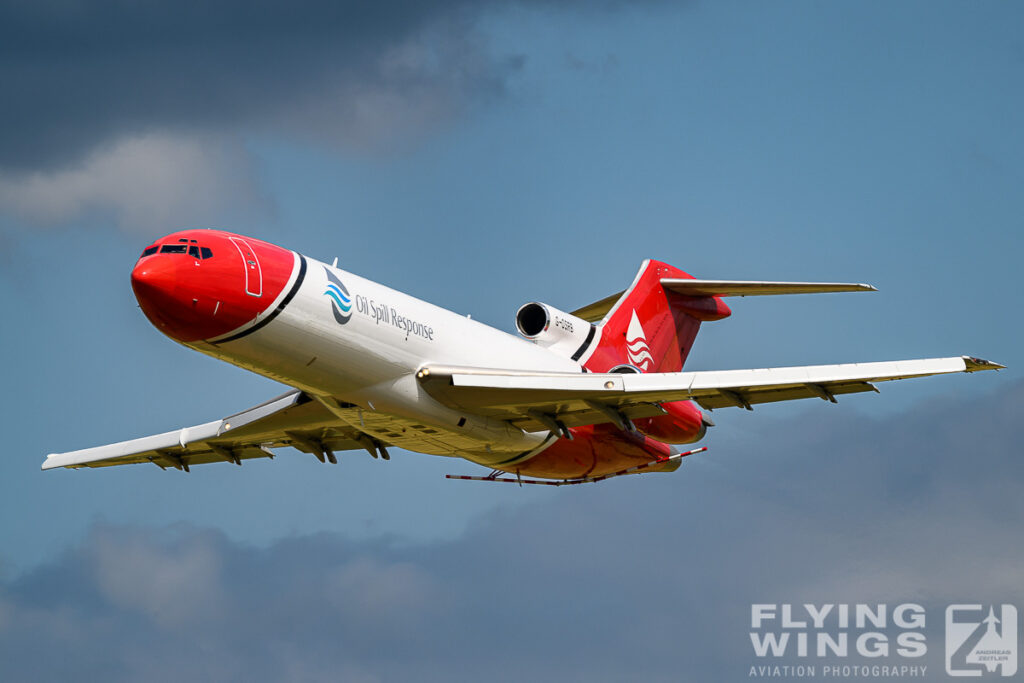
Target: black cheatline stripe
526 453
280 307
590 337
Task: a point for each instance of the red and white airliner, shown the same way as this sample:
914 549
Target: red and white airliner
581 397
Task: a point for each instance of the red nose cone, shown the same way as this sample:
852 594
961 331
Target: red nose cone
163 287
203 284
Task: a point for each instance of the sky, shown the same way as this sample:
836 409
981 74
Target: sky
482 155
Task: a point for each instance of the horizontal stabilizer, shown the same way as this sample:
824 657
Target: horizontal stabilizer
596 311
755 288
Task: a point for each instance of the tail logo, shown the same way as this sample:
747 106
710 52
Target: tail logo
341 302
636 345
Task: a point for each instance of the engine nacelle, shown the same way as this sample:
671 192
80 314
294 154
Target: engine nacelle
683 422
557 330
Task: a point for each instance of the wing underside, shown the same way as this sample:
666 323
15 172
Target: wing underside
292 419
529 400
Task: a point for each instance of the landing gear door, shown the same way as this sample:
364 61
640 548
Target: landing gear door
253 273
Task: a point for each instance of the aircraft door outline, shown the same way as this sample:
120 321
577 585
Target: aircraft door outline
253 272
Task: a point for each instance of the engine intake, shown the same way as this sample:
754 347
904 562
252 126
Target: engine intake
557 330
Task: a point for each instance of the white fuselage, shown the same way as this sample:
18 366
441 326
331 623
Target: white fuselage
371 360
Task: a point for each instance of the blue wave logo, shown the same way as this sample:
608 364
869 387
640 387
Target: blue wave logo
341 302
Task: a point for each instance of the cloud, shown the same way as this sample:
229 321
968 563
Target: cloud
110 87
77 75
169 593
646 578
151 182
81 74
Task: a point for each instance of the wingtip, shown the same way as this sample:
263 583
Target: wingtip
54 462
974 364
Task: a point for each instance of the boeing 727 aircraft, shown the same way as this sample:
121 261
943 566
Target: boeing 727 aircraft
581 397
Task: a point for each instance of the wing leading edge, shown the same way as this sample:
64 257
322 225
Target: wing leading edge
579 399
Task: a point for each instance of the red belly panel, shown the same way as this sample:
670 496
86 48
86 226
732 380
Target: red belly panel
595 450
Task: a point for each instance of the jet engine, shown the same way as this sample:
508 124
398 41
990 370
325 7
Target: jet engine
557 330
683 422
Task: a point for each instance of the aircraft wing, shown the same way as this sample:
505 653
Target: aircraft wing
531 399
292 419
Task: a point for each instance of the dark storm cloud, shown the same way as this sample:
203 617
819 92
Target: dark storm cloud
643 579
136 113
78 74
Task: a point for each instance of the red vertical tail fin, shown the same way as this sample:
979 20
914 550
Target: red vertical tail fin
650 328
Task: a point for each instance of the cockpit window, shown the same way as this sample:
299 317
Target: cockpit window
193 250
